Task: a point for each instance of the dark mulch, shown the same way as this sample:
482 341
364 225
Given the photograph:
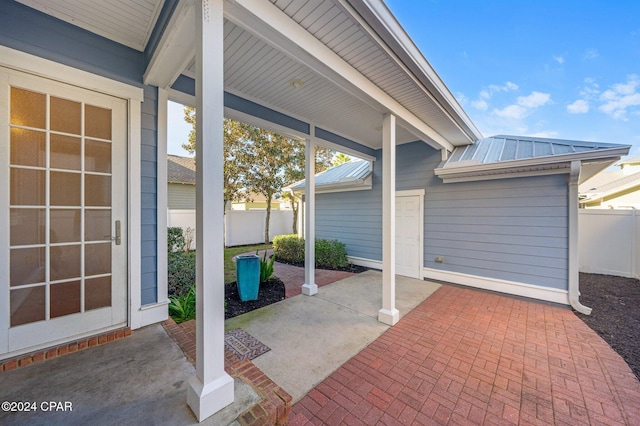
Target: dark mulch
349 268
271 291
616 313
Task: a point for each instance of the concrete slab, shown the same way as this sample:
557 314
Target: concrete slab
310 337
141 379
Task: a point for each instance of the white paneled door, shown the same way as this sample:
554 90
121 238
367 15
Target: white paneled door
408 239
63 212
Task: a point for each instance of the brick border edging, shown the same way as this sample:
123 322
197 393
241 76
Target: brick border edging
63 349
275 404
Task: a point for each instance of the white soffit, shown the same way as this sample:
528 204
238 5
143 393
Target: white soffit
128 22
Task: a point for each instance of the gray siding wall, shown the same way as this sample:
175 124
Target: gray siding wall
39 34
511 229
181 196
149 201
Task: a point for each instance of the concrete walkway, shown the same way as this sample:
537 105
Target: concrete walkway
466 357
310 337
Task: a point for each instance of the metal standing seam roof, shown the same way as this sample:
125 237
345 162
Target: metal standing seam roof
501 148
181 169
353 171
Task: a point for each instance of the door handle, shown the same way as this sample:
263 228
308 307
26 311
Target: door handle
118 233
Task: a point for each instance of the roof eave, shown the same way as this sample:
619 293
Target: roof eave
532 166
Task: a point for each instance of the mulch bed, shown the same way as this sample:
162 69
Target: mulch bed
349 268
270 291
616 313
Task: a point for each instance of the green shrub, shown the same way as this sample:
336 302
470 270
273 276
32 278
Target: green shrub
289 248
266 267
175 240
183 308
330 254
181 272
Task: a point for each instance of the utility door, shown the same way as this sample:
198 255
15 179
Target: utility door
408 236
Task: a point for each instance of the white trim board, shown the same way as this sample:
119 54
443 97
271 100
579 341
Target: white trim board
502 286
367 263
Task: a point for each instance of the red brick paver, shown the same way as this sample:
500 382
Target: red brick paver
470 357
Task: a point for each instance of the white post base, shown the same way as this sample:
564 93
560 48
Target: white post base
309 289
389 317
206 400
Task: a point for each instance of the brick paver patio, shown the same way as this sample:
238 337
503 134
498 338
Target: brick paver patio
471 357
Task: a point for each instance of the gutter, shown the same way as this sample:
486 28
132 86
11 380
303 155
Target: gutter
574 274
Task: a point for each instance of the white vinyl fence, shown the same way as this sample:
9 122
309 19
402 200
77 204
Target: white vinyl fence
610 242
241 226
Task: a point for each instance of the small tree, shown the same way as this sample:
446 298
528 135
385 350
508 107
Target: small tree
340 158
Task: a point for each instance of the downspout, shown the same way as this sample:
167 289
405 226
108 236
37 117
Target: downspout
574 274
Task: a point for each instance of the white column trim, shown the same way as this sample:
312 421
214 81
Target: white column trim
574 263
211 389
310 287
388 314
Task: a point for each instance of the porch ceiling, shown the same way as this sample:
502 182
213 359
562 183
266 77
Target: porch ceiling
262 60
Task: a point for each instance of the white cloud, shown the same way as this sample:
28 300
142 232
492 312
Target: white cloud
559 59
621 98
545 134
578 107
591 54
480 104
507 87
534 100
512 111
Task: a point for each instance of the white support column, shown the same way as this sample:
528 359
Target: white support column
309 287
574 264
388 314
211 389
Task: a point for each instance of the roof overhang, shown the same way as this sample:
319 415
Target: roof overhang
592 163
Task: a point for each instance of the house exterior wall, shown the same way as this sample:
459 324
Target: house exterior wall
39 34
624 199
149 197
181 196
506 229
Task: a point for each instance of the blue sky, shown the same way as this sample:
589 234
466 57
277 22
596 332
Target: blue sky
558 69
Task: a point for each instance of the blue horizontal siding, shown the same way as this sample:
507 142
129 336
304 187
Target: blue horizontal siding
149 199
26 29
510 229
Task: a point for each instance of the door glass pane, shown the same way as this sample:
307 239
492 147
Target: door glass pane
97 225
27 227
27 147
97 190
97 293
28 108
65 299
65 152
65 116
27 305
65 189
27 187
65 225
65 262
97 122
97 259
26 266
97 156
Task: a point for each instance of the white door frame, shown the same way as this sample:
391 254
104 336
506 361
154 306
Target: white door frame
420 194
138 316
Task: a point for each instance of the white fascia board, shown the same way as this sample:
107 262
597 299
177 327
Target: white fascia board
529 164
176 48
348 186
385 20
270 24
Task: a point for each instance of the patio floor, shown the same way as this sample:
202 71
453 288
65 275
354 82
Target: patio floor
471 357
